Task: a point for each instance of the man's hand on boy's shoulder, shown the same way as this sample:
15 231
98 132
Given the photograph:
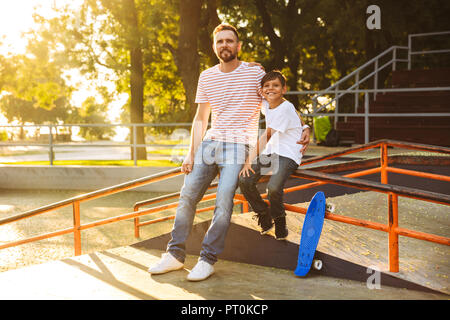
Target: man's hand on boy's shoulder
304 140
256 64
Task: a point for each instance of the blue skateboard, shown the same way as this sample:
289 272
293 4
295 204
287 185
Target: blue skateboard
312 228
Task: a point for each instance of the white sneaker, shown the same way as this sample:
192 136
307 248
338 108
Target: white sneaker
165 264
201 271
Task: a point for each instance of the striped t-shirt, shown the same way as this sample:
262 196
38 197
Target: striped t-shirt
234 100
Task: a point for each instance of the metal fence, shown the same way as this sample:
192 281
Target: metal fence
51 144
337 91
318 109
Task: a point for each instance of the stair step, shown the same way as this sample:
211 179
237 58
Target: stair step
418 134
424 99
392 108
432 122
421 78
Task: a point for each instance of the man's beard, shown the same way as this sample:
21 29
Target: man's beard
231 56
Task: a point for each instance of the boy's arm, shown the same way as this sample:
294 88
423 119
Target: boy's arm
199 126
262 142
253 153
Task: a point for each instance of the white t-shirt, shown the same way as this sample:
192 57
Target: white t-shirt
288 130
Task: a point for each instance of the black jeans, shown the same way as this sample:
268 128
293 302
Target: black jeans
282 168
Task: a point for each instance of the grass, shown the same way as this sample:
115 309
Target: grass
125 163
175 152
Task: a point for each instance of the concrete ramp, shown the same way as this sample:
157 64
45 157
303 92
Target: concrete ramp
121 273
251 267
244 244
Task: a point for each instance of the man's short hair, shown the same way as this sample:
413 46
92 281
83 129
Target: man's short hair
224 26
272 75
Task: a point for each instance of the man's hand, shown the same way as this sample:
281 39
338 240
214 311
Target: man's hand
256 64
188 163
304 140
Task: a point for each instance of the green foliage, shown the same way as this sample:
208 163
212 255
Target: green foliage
33 86
3 135
93 112
138 43
23 111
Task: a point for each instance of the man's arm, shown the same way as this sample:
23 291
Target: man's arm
199 126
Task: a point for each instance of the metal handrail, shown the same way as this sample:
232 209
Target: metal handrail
358 70
411 52
75 202
334 88
51 144
367 114
350 180
321 178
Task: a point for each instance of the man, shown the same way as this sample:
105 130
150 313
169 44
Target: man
230 92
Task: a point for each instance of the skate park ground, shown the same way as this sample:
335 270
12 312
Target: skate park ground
114 263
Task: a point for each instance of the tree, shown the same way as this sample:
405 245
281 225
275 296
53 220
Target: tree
23 111
104 35
33 87
93 112
282 35
154 50
198 18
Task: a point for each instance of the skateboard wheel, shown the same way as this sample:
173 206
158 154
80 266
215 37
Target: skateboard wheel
317 264
330 207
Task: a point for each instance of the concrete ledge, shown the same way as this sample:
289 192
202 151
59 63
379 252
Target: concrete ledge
82 177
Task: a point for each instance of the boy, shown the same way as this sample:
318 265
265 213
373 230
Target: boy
278 145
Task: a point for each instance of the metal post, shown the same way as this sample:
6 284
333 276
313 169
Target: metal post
50 145
393 235
314 111
409 51
134 145
384 163
366 117
394 59
357 93
375 81
136 226
336 109
245 207
76 228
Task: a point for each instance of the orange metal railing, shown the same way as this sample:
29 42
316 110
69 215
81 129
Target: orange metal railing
320 176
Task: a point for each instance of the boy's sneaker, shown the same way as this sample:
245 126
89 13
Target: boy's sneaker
281 232
165 264
264 221
201 271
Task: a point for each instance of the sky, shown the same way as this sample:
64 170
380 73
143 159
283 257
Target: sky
16 17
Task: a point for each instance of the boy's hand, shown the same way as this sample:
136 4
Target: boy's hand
245 170
188 162
304 140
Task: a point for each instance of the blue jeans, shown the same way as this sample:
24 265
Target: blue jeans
284 168
211 158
